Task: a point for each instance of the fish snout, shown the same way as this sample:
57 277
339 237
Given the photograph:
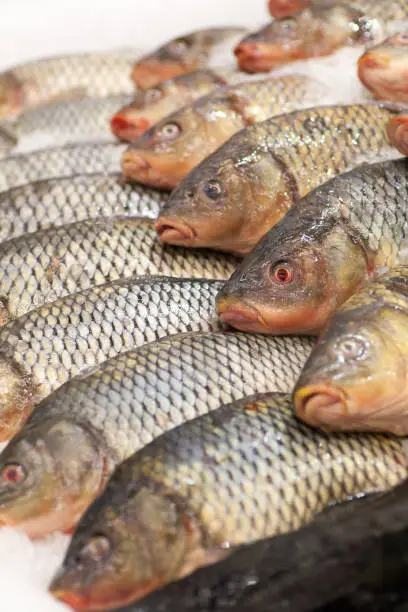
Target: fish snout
257 57
322 406
126 128
134 166
372 61
397 132
239 315
175 231
73 600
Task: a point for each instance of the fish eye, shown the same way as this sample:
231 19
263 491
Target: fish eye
153 95
170 131
213 190
97 548
282 273
401 39
177 47
351 348
14 473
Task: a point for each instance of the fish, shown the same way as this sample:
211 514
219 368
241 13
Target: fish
330 243
167 152
355 379
75 121
84 158
313 32
54 202
49 264
42 81
76 437
397 132
186 53
246 471
234 196
358 549
383 69
151 105
43 349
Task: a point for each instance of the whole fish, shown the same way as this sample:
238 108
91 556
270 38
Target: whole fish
167 152
246 471
54 202
46 347
49 264
358 550
384 69
76 437
313 32
397 132
150 105
85 158
79 75
61 123
355 378
186 53
326 247
232 198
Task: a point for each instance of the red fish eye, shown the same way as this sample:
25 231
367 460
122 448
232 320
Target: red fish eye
282 273
14 473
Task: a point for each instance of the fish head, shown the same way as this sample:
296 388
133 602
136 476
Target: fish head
355 378
17 394
384 69
153 104
294 279
228 201
283 8
308 33
119 553
181 55
178 143
49 474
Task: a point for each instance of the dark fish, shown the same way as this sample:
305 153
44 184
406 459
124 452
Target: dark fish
243 472
331 242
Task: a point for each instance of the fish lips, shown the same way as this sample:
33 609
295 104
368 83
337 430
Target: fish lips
126 128
175 231
240 315
150 72
259 56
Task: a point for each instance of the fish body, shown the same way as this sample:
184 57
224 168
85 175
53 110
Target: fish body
167 152
240 473
85 158
325 248
80 75
250 183
358 548
383 69
122 405
49 264
356 378
186 53
54 202
61 123
151 105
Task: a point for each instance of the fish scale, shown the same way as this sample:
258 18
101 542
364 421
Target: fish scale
246 471
59 201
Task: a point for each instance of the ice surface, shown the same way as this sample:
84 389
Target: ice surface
36 28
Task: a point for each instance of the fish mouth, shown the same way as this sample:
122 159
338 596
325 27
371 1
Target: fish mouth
322 406
150 73
397 132
74 601
175 231
284 9
134 166
128 129
241 316
258 57
372 61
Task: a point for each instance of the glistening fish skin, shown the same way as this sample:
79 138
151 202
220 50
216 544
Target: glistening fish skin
384 69
150 105
281 571
86 74
75 438
48 346
355 378
62 123
175 145
49 264
249 184
245 471
85 158
331 241
186 53
55 202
